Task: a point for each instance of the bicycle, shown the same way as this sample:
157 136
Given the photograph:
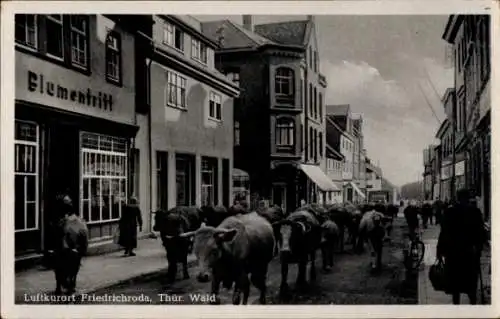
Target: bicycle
414 252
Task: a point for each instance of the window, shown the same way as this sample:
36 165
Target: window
310 57
198 51
173 37
303 88
315 61
284 82
104 177
78 40
215 107
320 102
285 131
234 77
26 147
236 133
315 146
184 168
320 144
27 30
315 100
208 181
310 100
113 57
161 180
311 143
55 38
176 90
302 137
64 38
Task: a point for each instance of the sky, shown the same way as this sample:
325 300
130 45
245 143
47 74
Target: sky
389 69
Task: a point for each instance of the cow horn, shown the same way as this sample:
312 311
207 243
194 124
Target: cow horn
301 224
203 224
188 234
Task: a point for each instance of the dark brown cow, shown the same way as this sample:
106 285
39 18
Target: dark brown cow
273 215
171 225
67 258
300 237
214 215
329 241
240 246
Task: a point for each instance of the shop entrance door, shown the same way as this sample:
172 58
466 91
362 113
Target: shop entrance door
62 172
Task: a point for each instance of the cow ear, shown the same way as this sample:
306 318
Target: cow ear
226 235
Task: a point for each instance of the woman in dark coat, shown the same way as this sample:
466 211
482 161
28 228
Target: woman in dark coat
460 243
131 218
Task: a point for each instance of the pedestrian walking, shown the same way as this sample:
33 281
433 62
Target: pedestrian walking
459 245
438 211
131 218
411 216
426 212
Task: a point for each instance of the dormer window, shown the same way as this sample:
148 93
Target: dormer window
198 51
284 85
173 37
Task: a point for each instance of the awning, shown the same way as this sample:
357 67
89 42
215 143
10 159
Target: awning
319 178
356 188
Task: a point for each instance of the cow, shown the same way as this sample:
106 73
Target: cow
214 215
329 241
273 215
372 230
73 233
171 225
240 246
299 237
346 220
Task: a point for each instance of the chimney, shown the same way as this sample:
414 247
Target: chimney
247 22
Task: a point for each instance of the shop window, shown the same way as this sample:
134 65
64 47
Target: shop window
208 182
175 91
161 180
285 132
55 35
215 107
26 204
104 177
27 30
79 49
113 57
198 51
284 84
184 177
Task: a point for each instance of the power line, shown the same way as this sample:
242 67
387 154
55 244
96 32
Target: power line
429 104
432 84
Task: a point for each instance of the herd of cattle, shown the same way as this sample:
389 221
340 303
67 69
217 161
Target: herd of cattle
234 246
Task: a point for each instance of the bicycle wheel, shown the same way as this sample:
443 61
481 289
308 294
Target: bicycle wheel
417 251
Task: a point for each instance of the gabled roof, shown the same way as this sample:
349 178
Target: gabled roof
341 109
234 35
289 32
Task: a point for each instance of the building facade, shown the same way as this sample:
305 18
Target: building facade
471 40
274 112
340 127
75 123
190 121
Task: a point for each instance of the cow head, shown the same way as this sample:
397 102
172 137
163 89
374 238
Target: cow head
210 251
290 234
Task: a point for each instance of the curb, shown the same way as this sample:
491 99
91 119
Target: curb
143 276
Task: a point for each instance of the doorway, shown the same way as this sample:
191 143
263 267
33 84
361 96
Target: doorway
62 172
278 195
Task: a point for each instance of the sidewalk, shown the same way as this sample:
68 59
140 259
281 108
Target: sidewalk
426 293
98 271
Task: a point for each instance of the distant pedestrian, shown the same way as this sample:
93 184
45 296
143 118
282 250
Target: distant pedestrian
411 216
426 213
460 244
438 211
72 245
131 218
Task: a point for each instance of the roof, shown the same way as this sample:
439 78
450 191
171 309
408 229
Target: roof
289 32
340 109
234 35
